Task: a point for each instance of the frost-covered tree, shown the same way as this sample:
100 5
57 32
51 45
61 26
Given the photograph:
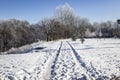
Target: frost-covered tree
52 29
14 33
65 15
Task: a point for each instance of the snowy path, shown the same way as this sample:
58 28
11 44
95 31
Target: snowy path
65 66
68 65
64 60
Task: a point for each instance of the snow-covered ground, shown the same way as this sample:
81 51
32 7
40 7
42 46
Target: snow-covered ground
64 60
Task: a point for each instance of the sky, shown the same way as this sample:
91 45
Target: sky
35 10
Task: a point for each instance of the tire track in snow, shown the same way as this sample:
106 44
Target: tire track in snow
91 71
65 67
57 55
56 59
46 67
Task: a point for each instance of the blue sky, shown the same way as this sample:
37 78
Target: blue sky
35 10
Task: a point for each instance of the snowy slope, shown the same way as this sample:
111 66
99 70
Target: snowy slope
64 60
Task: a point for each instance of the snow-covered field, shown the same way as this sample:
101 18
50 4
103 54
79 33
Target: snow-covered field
64 60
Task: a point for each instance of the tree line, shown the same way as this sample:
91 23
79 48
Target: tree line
64 24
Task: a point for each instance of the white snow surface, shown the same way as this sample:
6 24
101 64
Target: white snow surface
96 59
